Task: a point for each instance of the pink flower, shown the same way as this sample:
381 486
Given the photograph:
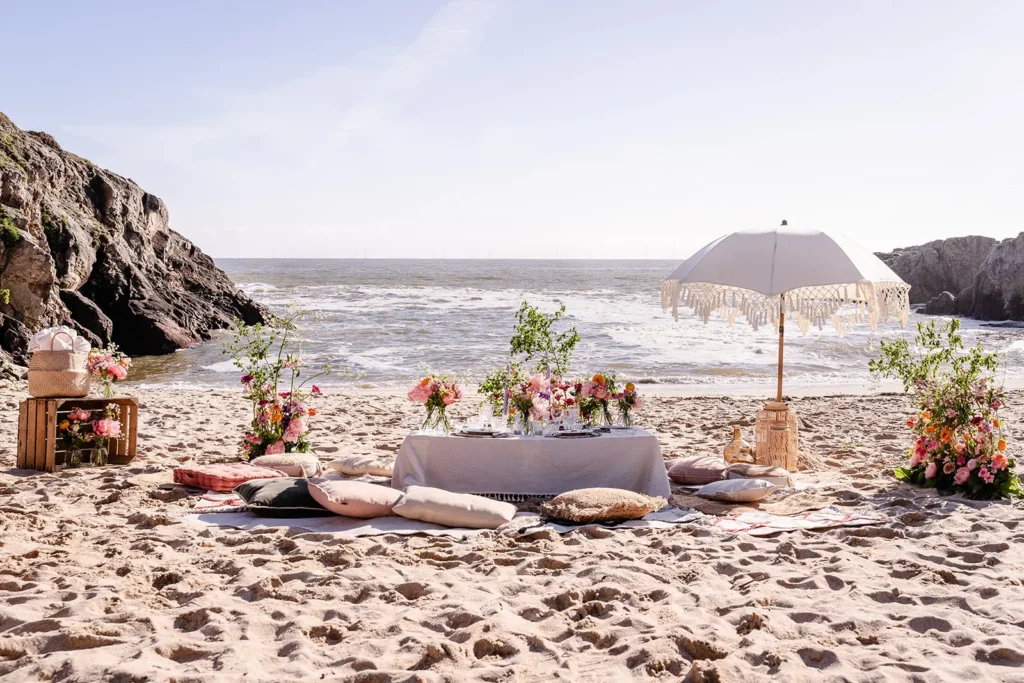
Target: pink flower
996 404
916 458
252 438
539 383
971 464
107 428
950 413
246 379
588 389
962 475
419 393
600 392
987 476
316 390
638 404
275 448
1000 461
79 414
448 398
948 468
296 428
539 413
930 471
117 372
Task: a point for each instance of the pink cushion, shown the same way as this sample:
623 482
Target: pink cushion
697 469
354 498
222 476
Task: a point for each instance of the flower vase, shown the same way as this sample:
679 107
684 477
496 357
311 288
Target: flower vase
108 390
625 419
100 455
521 423
75 457
437 421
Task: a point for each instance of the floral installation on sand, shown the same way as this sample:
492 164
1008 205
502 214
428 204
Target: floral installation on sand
436 393
108 365
959 443
273 384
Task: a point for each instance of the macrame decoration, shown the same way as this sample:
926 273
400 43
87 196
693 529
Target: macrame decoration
843 305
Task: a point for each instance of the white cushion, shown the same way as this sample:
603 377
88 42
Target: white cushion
292 464
358 465
774 475
461 510
737 490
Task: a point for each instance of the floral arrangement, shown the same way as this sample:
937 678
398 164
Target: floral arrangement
436 394
958 442
79 431
273 384
629 402
530 399
498 384
600 389
108 365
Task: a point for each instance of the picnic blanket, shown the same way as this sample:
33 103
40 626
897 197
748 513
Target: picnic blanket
765 524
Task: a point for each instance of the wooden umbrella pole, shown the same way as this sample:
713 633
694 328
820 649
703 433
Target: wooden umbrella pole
782 327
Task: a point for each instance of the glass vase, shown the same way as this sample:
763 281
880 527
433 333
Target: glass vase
100 455
108 390
625 419
521 422
75 457
437 421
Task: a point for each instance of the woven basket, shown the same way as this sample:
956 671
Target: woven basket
58 383
56 361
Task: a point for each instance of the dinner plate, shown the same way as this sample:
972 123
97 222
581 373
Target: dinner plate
573 435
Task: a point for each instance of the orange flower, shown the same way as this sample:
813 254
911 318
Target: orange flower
276 415
65 424
311 412
930 429
598 379
910 422
926 414
425 381
1001 445
946 435
995 423
630 388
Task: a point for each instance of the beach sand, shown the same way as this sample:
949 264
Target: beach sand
99 580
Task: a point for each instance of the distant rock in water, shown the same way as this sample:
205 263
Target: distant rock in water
82 246
971 276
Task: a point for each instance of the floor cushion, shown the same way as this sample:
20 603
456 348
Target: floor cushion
354 498
461 510
357 465
737 490
222 477
600 505
292 464
774 475
280 497
697 469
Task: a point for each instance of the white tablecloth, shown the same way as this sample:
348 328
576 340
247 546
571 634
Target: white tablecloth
532 465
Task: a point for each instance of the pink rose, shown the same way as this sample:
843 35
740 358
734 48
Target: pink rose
107 428
638 404
971 464
600 392
987 476
916 458
419 393
588 389
538 383
296 428
118 372
999 461
275 448
929 472
962 475
948 468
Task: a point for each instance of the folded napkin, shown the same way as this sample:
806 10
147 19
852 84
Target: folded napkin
62 338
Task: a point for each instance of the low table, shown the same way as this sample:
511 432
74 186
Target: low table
532 465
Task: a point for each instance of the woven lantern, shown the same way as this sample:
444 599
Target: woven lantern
777 436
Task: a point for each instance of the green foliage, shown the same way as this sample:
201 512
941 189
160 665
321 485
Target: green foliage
5 295
494 385
937 351
535 341
9 233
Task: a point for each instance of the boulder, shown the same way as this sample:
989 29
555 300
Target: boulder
83 246
943 304
965 302
948 265
999 284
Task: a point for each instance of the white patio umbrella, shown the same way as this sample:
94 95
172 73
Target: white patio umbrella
765 274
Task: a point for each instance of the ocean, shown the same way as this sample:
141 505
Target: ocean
383 322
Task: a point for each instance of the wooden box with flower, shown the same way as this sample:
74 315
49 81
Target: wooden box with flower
58 433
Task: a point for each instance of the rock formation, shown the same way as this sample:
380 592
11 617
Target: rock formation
82 246
970 276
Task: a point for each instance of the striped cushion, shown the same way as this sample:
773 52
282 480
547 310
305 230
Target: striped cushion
222 477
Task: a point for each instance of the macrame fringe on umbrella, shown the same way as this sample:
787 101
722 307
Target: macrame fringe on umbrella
843 305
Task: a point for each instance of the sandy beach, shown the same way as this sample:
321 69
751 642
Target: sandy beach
99 579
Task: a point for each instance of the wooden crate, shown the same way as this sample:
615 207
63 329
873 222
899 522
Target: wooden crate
39 447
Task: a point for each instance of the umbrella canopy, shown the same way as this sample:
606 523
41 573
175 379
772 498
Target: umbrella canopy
764 274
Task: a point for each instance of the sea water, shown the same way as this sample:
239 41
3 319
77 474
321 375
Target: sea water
382 322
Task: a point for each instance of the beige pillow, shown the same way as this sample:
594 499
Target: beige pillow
737 490
354 498
292 464
600 504
454 509
357 465
775 475
697 469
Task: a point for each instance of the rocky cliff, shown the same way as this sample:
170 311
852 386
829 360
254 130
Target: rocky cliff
972 276
82 246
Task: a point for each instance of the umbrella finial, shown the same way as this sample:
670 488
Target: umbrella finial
785 223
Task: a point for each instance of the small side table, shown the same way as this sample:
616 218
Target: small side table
39 446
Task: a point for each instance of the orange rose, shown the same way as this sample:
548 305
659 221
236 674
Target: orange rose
598 379
311 412
425 381
946 435
630 388
1001 445
927 414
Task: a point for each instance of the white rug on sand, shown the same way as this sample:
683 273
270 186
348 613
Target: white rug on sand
348 526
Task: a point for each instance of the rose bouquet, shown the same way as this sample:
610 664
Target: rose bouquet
599 390
272 381
629 402
75 432
436 394
108 365
107 427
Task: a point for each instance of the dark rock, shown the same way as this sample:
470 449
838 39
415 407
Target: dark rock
965 301
97 251
88 315
943 304
14 339
999 285
948 265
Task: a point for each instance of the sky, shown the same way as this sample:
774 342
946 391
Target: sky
528 128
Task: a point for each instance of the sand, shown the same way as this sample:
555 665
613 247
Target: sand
99 580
